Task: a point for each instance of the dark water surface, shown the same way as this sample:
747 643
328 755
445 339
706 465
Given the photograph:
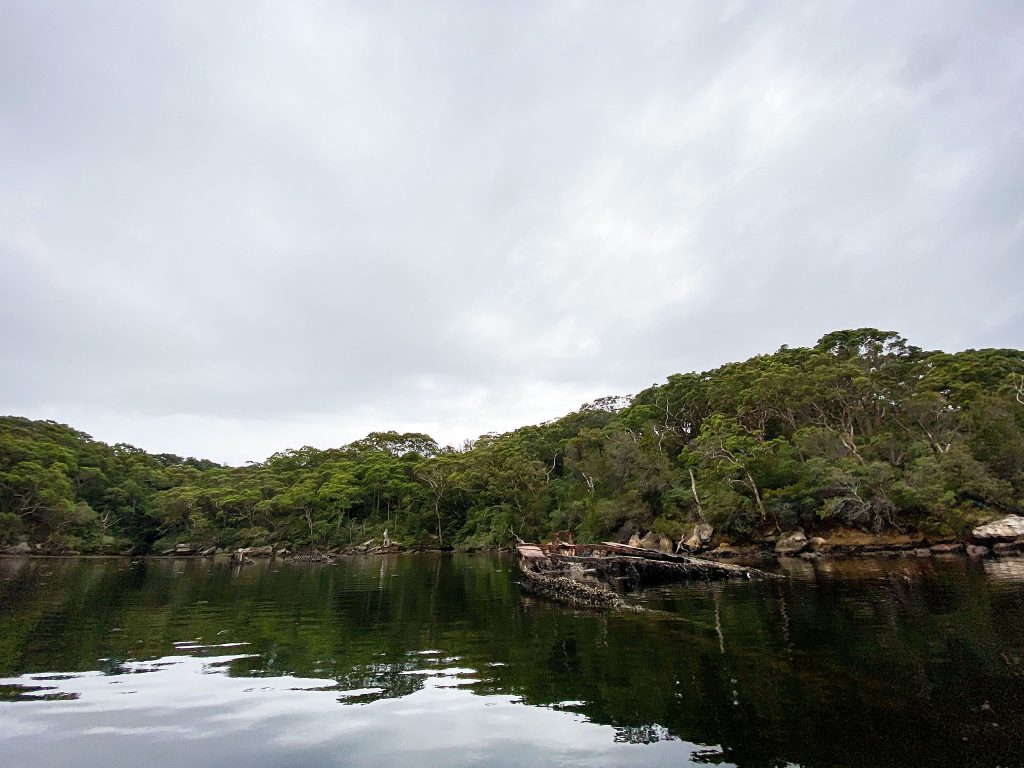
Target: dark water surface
439 661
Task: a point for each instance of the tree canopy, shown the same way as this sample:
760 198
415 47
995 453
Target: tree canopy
861 430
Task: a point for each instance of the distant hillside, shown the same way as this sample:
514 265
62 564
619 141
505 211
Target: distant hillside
862 430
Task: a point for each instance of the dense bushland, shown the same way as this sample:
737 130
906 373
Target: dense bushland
862 430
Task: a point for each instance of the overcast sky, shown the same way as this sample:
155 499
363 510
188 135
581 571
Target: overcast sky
228 228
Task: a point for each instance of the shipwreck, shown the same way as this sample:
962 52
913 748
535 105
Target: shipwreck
598 575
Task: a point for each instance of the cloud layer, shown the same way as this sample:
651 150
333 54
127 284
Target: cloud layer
229 229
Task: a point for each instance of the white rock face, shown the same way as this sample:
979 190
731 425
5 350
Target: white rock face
792 543
1007 529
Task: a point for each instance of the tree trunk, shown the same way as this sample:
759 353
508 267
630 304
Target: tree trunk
696 498
757 496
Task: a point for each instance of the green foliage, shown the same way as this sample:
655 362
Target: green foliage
860 430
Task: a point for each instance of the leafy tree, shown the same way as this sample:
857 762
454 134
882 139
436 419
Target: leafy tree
862 429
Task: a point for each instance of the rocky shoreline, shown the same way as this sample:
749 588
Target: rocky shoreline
1000 538
242 555
1003 538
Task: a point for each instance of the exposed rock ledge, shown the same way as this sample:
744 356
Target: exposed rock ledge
1005 530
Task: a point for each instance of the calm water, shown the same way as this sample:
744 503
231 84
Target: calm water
439 661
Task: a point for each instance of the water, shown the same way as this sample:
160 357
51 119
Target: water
440 661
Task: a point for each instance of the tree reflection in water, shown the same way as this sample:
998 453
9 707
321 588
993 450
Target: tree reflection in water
892 662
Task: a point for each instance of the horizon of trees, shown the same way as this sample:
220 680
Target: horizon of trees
861 430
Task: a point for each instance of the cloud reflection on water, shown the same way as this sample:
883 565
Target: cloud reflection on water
111 719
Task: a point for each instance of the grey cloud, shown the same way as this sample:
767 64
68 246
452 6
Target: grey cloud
224 226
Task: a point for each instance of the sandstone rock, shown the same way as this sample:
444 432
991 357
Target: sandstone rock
1007 529
184 550
947 549
1004 548
792 543
922 552
657 542
974 550
209 552
241 557
267 551
624 533
634 540
817 543
21 548
700 537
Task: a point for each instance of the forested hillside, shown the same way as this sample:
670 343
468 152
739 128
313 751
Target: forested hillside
862 430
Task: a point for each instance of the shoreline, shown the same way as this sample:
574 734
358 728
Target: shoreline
920 549
1000 538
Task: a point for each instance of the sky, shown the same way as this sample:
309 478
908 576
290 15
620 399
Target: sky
232 228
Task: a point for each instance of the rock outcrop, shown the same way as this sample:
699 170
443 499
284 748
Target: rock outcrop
792 543
700 537
186 549
653 541
1007 529
1004 548
239 557
267 551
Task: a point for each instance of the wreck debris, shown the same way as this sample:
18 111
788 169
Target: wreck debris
596 575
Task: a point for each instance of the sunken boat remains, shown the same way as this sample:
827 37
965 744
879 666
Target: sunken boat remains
598 575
